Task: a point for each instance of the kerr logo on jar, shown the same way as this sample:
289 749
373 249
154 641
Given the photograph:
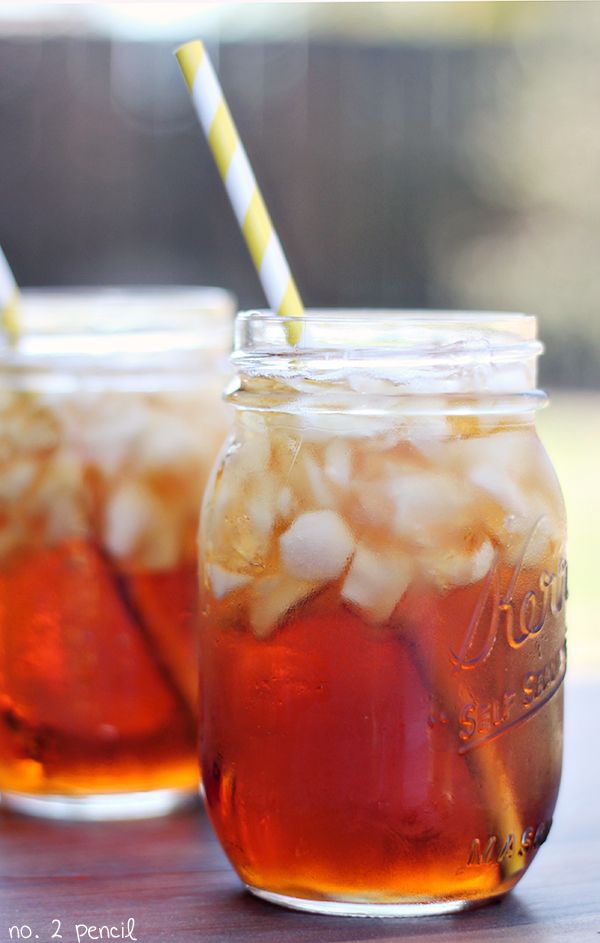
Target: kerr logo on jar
520 620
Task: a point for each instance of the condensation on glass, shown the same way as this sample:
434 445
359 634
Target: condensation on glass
110 418
383 580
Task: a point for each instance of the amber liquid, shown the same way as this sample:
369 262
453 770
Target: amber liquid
338 757
97 674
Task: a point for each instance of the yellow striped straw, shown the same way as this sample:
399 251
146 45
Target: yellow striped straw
9 301
248 205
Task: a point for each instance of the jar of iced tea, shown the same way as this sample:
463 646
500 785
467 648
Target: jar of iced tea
382 632
111 416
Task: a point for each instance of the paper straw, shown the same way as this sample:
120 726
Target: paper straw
234 167
9 300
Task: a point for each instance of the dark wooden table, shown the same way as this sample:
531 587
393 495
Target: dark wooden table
171 877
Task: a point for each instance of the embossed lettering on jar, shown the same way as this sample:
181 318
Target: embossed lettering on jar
383 640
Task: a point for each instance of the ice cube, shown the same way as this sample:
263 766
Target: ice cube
317 426
163 544
321 492
427 431
370 385
451 568
507 451
426 502
505 378
128 515
338 463
109 427
272 597
285 502
59 498
167 441
255 451
317 546
137 525
536 535
500 486
224 581
260 505
377 581
369 507
38 431
15 479
65 519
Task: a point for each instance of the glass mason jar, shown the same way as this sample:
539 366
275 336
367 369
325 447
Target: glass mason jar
382 631
111 416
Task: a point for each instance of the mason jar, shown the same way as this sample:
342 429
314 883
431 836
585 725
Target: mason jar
110 418
383 580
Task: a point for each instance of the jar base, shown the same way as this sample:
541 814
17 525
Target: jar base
338 908
102 807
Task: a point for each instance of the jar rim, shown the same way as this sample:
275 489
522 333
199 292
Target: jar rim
108 332
105 310
107 322
399 351
426 315
403 332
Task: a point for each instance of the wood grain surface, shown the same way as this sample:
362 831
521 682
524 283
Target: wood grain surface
172 878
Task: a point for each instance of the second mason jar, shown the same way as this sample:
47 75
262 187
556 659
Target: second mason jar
383 640
110 418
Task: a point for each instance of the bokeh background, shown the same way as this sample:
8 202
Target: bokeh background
431 154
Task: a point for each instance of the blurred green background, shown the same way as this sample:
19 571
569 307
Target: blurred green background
570 430
413 154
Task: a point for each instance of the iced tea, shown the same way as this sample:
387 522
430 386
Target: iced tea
383 624
107 437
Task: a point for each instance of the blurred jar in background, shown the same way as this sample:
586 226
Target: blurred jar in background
110 419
